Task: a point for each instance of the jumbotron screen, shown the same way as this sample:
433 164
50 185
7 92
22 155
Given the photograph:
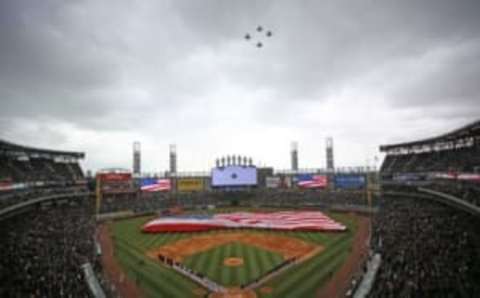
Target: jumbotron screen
234 176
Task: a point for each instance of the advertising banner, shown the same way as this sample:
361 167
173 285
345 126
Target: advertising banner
286 182
272 182
234 176
350 181
190 184
4 186
406 177
469 177
115 177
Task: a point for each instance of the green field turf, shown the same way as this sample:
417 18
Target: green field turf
158 281
256 263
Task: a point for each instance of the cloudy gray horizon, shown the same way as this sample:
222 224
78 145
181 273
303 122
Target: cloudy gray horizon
95 76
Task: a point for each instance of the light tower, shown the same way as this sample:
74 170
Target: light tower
173 159
329 152
294 156
137 167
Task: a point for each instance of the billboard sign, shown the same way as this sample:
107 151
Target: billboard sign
286 182
350 181
406 177
115 177
312 181
272 182
190 184
469 177
234 176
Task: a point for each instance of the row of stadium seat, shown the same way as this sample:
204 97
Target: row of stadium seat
38 169
460 160
10 198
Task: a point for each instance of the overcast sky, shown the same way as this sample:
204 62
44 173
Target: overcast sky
95 76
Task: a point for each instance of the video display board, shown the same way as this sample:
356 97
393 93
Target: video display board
350 181
311 181
234 176
115 182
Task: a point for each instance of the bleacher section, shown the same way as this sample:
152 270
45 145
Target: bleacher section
449 163
458 160
20 164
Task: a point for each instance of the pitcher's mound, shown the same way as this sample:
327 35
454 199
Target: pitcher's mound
234 293
233 262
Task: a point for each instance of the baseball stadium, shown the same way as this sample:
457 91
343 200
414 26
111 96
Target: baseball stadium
239 149
406 229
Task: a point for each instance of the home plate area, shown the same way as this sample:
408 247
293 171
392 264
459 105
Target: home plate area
233 264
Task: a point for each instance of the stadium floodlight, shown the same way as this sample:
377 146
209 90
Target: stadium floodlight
222 162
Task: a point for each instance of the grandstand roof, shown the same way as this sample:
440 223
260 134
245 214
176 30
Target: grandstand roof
11 147
470 130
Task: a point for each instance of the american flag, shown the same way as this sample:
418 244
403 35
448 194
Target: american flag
284 220
312 181
153 184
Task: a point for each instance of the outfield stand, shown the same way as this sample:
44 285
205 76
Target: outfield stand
148 202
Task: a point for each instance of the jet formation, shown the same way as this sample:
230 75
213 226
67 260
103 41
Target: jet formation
259 34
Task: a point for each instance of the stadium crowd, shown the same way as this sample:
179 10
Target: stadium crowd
41 252
428 250
467 191
9 198
147 202
38 169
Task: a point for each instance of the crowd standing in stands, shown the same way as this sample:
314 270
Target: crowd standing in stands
10 198
42 251
428 250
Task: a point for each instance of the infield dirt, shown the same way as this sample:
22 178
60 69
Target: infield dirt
288 247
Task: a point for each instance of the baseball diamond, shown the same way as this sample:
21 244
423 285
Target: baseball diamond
261 263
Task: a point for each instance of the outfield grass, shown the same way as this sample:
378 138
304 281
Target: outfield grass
299 281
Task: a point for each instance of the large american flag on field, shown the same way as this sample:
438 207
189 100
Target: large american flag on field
312 181
284 220
153 184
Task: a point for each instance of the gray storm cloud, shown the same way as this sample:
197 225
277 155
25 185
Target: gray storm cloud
180 71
